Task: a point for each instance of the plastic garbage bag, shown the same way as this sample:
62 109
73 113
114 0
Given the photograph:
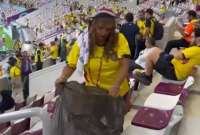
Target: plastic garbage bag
85 110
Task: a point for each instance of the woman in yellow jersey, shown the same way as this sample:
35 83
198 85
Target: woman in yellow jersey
106 66
15 76
174 67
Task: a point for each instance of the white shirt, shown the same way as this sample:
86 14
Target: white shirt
141 60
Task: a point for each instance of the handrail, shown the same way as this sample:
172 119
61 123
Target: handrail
27 113
21 114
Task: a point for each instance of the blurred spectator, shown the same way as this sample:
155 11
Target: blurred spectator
6 101
130 30
26 69
39 56
15 76
186 31
140 39
53 52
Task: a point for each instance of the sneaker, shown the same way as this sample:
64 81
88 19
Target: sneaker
140 76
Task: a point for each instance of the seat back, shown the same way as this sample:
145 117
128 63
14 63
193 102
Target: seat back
152 118
38 132
169 88
4 126
20 126
38 103
18 106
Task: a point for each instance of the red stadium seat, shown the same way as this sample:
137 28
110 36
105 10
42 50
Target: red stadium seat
38 103
19 127
38 132
4 126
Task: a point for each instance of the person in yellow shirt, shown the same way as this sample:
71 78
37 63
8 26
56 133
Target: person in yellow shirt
163 10
140 38
149 23
39 56
178 66
15 77
17 45
18 58
107 64
1 70
53 52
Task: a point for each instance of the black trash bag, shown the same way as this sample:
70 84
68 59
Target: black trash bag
85 110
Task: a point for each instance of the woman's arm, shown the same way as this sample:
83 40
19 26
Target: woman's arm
122 75
66 73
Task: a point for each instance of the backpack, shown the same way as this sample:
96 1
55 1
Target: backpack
158 30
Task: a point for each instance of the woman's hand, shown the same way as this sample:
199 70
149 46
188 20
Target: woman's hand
59 83
66 73
114 90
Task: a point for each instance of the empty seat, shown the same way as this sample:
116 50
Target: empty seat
169 88
152 118
20 126
38 132
4 126
6 131
38 103
31 99
18 106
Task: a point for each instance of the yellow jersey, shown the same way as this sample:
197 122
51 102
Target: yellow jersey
15 72
54 52
99 71
141 26
18 62
184 68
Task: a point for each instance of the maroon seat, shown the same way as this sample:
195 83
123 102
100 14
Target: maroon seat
4 126
38 102
169 88
38 132
152 118
19 127
18 106
197 7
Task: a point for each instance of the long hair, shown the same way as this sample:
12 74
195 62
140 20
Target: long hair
111 41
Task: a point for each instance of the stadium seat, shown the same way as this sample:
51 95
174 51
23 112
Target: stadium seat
38 103
20 126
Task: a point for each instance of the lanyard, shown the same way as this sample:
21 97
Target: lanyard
99 73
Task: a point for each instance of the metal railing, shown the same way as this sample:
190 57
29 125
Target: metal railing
27 113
